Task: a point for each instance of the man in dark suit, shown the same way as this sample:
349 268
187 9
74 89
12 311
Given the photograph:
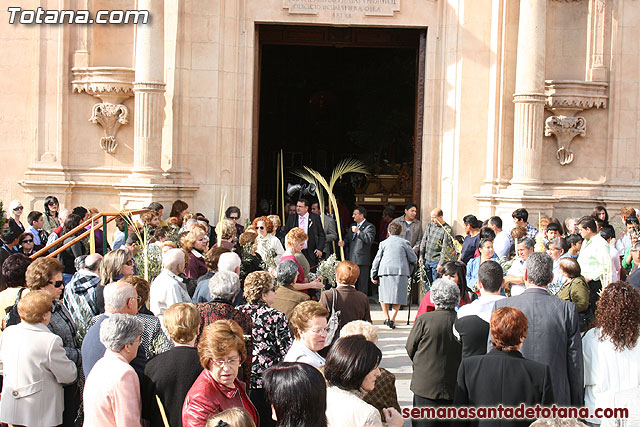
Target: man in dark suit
312 225
358 241
503 376
554 332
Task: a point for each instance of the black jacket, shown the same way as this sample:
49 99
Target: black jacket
553 339
435 353
502 378
169 375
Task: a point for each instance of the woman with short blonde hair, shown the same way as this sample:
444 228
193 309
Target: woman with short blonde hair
161 378
295 240
270 333
196 242
308 323
221 349
29 350
46 274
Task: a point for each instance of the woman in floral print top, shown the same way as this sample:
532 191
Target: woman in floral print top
270 333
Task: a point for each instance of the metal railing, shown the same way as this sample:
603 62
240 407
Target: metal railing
106 217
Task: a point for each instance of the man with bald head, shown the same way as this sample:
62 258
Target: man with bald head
119 297
437 235
80 292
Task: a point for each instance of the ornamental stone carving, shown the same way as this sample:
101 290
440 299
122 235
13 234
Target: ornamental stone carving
112 85
565 128
110 117
565 98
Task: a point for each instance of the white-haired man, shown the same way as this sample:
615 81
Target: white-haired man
168 288
119 297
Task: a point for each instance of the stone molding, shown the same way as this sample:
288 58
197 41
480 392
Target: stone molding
565 98
565 128
149 87
112 85
575 95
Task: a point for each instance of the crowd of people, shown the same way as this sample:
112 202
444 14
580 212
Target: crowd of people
236 327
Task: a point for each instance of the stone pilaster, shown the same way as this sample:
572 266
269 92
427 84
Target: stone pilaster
149 89
529 97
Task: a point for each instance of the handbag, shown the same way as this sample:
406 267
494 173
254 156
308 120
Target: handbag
334 320
12 317
586 318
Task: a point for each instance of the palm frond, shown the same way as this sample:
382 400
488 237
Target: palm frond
346 166
332 199
319 189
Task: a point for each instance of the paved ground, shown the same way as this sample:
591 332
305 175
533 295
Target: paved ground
394 356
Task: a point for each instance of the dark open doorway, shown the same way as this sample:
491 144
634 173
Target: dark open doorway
327 93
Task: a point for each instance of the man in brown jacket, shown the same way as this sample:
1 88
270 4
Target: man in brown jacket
286 297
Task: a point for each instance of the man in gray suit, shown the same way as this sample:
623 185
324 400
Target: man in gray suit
358 241
554 333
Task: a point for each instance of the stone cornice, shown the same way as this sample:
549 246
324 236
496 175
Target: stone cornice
111 84
575 95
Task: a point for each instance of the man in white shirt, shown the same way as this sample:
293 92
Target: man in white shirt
168 288
472 326
502 242
594 258
629 219
515 275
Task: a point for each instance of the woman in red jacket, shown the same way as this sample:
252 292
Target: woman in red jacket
221 350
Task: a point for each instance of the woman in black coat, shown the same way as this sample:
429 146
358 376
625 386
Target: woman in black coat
171 374
503 376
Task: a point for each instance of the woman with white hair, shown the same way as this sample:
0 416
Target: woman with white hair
223 287
168 288
112 390
435 352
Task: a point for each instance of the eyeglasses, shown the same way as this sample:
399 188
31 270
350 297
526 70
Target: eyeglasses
52 203
27 241
57 284
260 227
318 331
19 208
235 218
129 262
220 363
138 298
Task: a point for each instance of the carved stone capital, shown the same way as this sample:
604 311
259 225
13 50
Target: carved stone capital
110 117
565 128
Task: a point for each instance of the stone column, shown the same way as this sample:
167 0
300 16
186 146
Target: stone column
529 93
149 89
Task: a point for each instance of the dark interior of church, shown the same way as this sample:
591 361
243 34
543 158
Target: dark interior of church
320 104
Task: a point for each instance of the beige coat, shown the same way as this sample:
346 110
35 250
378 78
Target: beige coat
35 367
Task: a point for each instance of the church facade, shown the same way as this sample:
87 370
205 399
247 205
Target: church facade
528 103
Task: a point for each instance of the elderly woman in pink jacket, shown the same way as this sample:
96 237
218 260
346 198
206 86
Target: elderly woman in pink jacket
112 390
